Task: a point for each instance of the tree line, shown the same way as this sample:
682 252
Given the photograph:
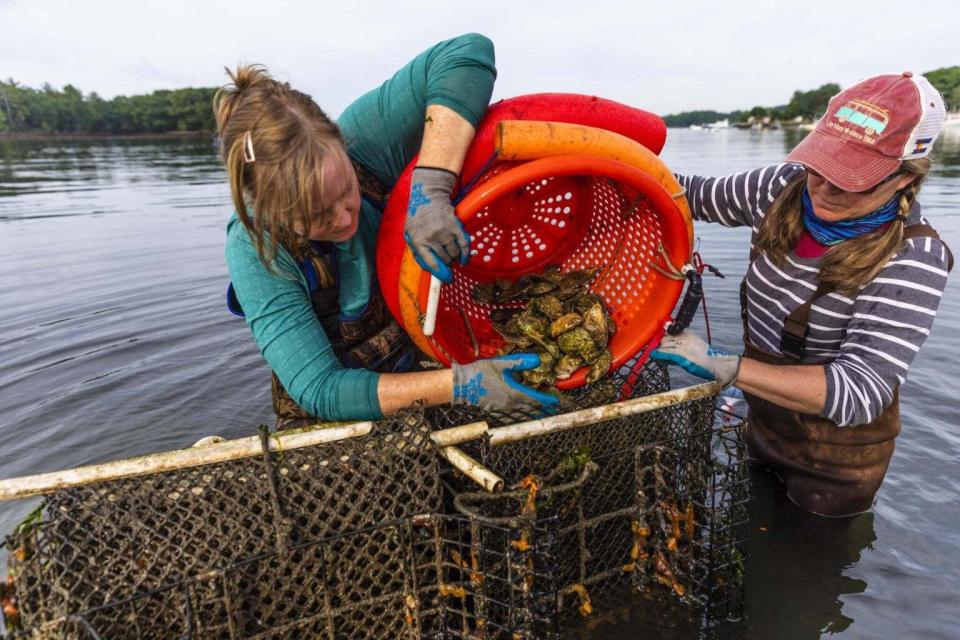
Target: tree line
809 105
69 111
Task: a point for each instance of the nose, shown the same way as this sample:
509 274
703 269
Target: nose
343 216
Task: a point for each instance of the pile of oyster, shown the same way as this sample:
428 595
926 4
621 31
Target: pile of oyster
560 320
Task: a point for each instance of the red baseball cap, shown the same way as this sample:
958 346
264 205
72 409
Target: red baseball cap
870 128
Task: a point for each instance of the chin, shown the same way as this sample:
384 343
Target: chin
827 214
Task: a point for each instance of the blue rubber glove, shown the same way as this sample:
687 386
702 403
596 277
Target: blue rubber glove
698 358
490 385
433 232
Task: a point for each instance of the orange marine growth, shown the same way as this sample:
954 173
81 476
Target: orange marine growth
674 514
8 601
409 610
586 607
532 484
523 544
453 590
688 520
476 578
665 576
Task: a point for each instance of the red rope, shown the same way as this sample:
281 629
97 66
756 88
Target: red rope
634 374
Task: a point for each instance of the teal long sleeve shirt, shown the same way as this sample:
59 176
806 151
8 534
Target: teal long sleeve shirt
383 130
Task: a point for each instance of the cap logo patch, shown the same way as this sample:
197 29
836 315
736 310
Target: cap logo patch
860 120
921 146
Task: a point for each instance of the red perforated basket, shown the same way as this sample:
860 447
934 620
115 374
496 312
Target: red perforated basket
574 211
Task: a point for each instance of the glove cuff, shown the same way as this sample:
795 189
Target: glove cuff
435 180
459 382
727 374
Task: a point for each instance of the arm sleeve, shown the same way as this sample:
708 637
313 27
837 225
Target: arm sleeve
384 127
892 317
290 337
738 200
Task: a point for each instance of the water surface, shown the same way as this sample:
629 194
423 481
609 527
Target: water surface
114 341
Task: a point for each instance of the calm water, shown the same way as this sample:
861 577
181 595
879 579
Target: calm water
114 341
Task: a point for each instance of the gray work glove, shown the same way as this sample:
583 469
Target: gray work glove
696 357
432 230
490 385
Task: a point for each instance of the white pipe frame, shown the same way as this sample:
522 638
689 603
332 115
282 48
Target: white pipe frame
446 440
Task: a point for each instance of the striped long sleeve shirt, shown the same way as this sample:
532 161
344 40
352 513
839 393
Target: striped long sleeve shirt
871 337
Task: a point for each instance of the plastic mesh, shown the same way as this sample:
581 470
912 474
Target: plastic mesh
272 531
579 222
372 538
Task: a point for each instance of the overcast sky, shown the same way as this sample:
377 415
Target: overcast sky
666 57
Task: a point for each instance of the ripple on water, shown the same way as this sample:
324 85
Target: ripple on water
115 342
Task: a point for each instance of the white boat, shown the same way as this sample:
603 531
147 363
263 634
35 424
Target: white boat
719 124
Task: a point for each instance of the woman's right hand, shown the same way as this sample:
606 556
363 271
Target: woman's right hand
490 385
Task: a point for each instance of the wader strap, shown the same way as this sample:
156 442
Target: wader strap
793 338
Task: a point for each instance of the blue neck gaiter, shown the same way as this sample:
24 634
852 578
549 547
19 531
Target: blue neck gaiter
831 233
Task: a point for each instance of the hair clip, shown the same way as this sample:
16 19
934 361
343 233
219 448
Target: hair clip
248 148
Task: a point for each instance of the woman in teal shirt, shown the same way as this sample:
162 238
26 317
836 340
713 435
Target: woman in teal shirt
308 194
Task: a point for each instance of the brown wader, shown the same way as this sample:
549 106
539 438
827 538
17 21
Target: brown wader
372 340
828 470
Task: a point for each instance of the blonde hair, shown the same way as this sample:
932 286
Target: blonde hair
849 265
273 141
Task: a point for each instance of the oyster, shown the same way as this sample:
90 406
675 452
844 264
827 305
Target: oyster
555 315
532 325
541 287
577 278
564 324
566 365
595 322
550 306
600 366
485 293
575 341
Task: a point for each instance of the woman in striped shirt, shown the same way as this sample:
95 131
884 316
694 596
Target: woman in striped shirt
843 286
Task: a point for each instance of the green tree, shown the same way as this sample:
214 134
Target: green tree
947 82
49 110
687 118
810 104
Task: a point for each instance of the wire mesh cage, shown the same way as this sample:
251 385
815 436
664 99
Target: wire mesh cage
296 536
372 537
645 502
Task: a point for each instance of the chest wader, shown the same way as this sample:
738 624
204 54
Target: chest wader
828 470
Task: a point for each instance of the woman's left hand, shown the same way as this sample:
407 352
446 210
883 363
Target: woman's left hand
433 232
696 357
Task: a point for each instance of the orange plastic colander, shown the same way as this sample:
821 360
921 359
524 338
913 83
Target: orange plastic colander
614 208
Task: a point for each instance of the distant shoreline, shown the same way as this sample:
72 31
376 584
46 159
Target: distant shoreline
74 137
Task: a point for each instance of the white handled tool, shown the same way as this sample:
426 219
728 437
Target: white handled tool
433 301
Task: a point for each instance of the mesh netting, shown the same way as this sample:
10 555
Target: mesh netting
318 538
650 501
372 538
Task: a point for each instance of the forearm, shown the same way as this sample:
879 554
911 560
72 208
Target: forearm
399 390
798 387
446 137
